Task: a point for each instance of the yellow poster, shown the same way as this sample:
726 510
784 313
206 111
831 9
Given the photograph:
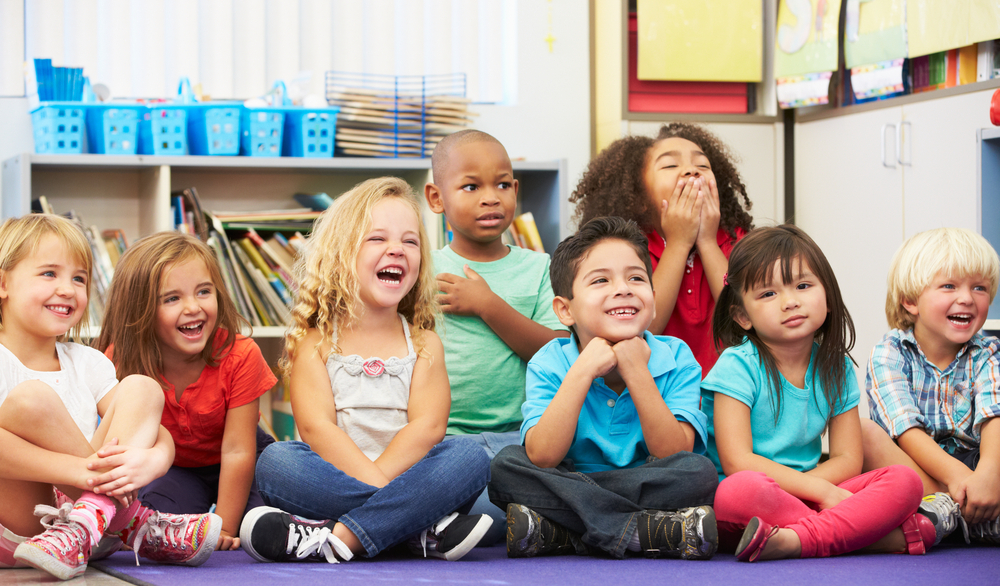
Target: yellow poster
806 37
984 21
933 26
700 40
874 31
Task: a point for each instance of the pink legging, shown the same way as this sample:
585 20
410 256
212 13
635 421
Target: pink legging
882 500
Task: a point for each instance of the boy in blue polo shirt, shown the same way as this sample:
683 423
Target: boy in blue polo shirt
611 419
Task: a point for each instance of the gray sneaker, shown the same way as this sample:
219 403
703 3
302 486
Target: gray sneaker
530 534
689 534
986 532
944 513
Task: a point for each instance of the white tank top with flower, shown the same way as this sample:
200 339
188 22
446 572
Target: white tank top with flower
371 396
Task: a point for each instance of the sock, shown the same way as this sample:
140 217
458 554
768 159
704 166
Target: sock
633 544
94 512
128 520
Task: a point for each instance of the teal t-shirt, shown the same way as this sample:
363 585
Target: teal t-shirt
796 439
487 377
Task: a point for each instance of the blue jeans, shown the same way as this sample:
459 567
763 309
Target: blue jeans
603 507
295 479
492 443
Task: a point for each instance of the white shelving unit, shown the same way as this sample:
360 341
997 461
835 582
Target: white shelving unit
132 193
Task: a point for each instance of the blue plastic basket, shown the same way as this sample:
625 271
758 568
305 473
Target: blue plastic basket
113 129
58 128
261 131
309 132
163 130
214 128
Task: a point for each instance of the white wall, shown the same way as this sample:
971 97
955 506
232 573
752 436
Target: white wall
550 118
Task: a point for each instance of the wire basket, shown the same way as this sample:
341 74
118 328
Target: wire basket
396 115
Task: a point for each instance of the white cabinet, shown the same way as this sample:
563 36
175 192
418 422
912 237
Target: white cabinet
859 202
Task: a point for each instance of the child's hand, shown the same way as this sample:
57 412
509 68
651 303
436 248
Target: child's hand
710 213
227 542
468 296
599 356
632 355
130 469
834 497
979 496
680 214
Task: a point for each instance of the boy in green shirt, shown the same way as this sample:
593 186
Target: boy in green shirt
497 299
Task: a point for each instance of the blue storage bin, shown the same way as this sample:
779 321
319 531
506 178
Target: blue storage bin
214 128
163 130
261 131
309 132
58 128
113 129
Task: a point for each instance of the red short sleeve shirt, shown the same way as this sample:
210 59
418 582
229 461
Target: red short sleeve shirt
198 421
691 320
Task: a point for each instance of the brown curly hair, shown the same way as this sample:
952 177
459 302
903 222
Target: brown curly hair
614 185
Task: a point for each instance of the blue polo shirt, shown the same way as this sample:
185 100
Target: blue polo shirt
608 434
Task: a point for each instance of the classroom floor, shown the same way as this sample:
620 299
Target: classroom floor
943 565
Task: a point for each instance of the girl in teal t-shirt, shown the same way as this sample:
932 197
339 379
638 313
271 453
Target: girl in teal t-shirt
769 399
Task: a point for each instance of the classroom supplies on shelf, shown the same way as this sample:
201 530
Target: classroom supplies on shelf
58 128
58 84
396 115
527 232
309 132
113 127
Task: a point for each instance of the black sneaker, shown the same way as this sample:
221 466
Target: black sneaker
452 537
272 535
530 534
688 534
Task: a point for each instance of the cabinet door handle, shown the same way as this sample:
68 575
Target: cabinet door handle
886 163
899 143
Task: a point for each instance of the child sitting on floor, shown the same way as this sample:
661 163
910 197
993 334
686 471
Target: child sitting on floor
170 317
933 380
496 299
370 396
611 419
69 430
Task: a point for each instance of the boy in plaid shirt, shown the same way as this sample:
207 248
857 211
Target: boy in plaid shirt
934 380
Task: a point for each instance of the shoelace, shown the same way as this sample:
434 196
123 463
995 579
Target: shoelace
161 528
316 541
948 511
435 529
989 530
64 532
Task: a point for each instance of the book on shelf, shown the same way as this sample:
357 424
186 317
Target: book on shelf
528 230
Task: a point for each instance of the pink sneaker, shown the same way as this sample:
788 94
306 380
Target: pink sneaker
177 539
62 549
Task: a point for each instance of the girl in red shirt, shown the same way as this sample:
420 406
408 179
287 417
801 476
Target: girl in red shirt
684 190
170 317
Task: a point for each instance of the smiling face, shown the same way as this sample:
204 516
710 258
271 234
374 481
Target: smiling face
669 160
388 262
478 195
785 314
612 295
948 313
45 294
187 310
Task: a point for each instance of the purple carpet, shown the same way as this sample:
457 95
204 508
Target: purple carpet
944 566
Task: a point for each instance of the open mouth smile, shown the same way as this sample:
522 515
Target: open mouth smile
390 275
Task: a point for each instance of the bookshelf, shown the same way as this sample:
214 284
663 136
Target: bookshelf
988 195
133 192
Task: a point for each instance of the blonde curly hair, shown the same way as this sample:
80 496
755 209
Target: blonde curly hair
327 274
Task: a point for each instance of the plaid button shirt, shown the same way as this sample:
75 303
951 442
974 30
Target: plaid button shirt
906 390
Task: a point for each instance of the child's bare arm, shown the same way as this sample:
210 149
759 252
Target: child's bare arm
735 445
471 295
427 411
316 414
846 451
549 440
129 468
239 454
979 493
663 433
23 460
932 459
